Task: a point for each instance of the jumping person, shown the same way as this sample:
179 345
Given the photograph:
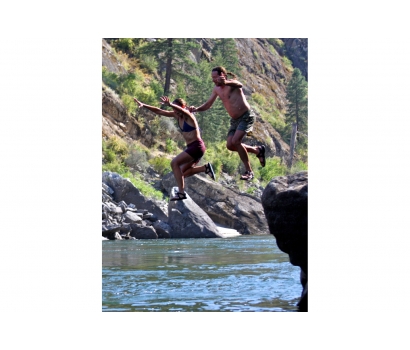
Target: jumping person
184 164
242 117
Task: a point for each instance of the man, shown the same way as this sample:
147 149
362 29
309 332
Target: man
242 118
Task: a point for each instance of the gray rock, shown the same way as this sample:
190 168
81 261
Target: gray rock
146 222
108 229
151 218
226 207
162 228
131 217
125 228
107 189
143 232
125 191
117 236
188 220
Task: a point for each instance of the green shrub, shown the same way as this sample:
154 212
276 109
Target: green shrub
279 42
299 166
157 87
149 63
129 104
154 126
221 158
125 45
230 164
110 79
129 86
137 157
146 189
259 99
170 146
118 145
287 62
167 125
109 155
273 168
161 165
115 166
146 95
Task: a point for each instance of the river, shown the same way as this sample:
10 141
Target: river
244 273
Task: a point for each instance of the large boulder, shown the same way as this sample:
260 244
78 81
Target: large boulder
143 232
188 220
125 191
285 202
162 228
224 206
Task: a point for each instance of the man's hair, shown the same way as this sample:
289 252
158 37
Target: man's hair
221 69
180 102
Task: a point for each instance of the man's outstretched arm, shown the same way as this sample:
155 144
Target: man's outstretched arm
206 105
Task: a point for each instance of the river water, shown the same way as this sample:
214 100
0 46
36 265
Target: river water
243 273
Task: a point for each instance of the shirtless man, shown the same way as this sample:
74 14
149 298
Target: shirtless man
242 117
184 164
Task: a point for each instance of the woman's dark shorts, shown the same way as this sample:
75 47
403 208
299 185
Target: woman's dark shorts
196 149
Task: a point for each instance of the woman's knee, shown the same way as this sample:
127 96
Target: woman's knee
230 146
174 163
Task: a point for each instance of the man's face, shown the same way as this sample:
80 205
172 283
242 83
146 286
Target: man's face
215 78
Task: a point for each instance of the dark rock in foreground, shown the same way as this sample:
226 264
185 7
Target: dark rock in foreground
285 202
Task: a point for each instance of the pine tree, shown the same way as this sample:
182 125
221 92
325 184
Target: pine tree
173 52
226 53
215 121
297 109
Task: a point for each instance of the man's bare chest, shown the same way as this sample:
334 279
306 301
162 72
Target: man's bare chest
226 93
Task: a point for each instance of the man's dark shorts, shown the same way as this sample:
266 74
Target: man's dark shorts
196 149
244 123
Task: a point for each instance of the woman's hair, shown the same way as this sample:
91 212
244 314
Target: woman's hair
221 69
180 102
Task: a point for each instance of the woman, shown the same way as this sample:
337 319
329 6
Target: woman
184 164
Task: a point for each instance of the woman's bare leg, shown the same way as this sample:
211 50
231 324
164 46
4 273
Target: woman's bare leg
190 169
177 163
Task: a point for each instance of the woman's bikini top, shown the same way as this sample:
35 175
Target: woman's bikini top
186 127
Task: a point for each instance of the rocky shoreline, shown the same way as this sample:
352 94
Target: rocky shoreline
212 211
209 211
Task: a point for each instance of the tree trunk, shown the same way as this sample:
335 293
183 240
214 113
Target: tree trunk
169 68
292 143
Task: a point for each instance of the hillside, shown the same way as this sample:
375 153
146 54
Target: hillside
265 68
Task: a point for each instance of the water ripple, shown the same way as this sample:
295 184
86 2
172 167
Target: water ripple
247 273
